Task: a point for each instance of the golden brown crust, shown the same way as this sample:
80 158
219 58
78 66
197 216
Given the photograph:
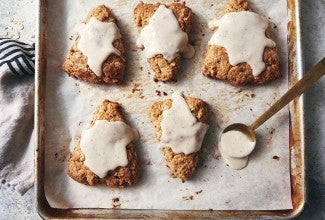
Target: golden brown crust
121 176
181 166
78 171
143 12
164 70
237 5
113 68
216 62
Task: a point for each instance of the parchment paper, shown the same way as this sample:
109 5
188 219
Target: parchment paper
263 185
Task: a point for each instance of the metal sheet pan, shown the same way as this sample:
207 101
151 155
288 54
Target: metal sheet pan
297 148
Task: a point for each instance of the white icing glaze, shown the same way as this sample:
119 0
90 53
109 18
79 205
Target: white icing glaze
242 34
104 145
96 42
235 147
236 144
163 36
180 129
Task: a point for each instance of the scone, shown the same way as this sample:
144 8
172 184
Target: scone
164 70
216 62
76 63
122 176
181 166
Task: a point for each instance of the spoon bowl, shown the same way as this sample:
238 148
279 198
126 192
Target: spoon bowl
249 135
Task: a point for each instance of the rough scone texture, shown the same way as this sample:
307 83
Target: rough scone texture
216 62
164 70
76 65
122 176
181 166
237 5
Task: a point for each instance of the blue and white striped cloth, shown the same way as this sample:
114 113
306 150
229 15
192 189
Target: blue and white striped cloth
17 57
16 115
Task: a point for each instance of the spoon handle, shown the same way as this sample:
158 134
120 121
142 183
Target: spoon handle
311 77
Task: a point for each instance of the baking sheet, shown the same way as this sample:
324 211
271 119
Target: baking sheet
263 185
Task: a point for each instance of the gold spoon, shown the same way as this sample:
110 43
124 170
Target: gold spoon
310 78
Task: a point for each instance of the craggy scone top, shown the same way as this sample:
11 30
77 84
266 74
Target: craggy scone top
113 68
164 70
216 63
120 177
181 166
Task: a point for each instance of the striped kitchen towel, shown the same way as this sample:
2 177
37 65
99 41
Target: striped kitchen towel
16 115
17 57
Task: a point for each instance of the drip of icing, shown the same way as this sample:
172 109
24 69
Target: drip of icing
235 163
242 34
104 145
235 146
180 129
163 36
96 42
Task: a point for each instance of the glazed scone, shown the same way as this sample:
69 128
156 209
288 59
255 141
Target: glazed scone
164 70
181 166
113 67
216 62
122 176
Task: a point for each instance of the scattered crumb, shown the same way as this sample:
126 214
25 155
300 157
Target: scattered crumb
276 158
149 163
188 198
116 203
238 91
165 94
272 130
141 68
78 87
80 123
250 95
62 155
198 192
158 93
71 37
136 88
